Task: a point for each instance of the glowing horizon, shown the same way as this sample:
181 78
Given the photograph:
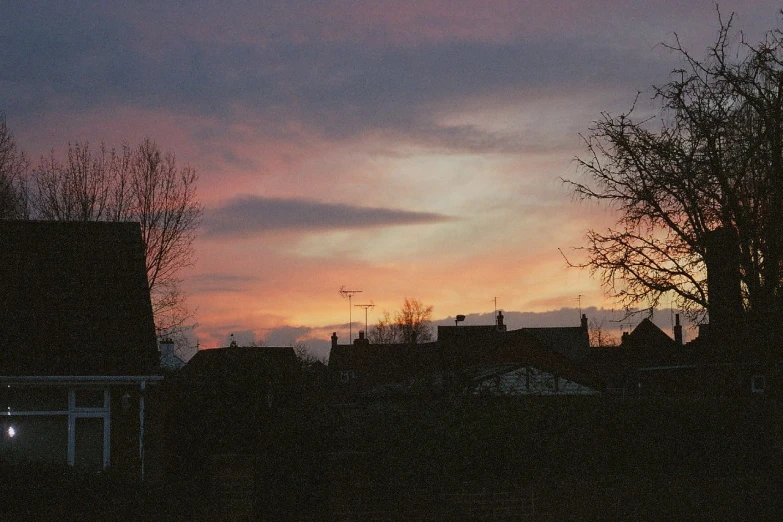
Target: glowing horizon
411 149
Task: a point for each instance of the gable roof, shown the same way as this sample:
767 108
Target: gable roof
647 339
74 300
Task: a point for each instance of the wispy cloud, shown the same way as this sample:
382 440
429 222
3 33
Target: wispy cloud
251 215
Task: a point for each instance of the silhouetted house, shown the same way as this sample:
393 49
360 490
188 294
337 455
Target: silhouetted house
526 361
225 396
470 359
649 362
78 348
367 368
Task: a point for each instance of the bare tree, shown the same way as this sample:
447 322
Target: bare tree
304 356
137 184
77 189
600 336
385 331
411 323
713 161
13 168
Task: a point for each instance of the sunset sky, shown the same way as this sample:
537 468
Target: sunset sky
398 148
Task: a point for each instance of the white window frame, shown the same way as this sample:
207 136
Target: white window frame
91 381
73 412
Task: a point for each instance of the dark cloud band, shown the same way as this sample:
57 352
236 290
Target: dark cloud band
251 215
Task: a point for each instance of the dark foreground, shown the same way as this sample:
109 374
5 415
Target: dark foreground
451 459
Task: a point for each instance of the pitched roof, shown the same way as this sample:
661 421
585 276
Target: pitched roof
74 300
648 339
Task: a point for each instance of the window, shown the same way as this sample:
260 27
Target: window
24 398
42 438
757 384
54 423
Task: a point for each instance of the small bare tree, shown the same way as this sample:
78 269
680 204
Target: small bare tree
600 336
411 323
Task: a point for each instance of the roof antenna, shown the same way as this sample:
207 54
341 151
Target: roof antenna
349 294
366 307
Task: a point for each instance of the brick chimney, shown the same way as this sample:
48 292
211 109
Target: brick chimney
334 339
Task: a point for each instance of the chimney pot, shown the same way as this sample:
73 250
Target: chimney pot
677 330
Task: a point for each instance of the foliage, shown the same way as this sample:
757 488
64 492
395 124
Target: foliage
411 323
713 162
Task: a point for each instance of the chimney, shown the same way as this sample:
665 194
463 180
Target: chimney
677 330
724 306
499 322
584 322
334 339
168 359
362 340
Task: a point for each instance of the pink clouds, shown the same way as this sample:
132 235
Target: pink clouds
406 148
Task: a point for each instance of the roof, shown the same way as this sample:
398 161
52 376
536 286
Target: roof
570 341
219 363
647 336
528 347
74 300
386 362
